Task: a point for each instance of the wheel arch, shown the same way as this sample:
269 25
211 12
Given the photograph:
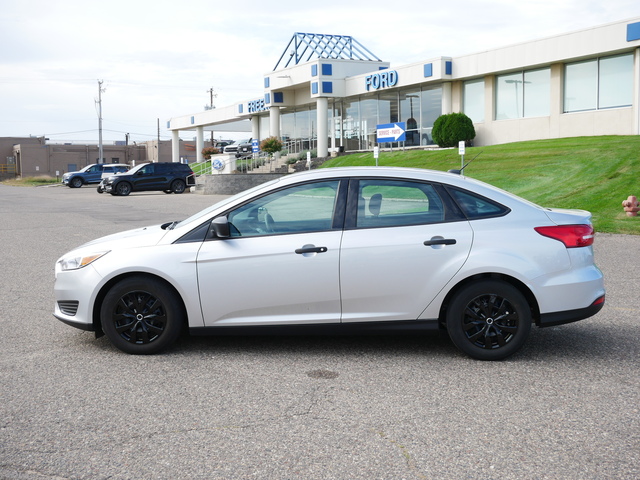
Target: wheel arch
97 304
528 294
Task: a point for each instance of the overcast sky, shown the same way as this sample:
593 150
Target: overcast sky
159 58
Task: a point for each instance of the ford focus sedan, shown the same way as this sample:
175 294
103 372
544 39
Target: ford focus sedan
347 250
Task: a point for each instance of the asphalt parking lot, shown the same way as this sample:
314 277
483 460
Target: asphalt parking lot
73 407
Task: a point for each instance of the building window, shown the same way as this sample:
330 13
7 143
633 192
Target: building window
473 100
523 94
600 83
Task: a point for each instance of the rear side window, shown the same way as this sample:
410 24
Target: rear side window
395 203
476 206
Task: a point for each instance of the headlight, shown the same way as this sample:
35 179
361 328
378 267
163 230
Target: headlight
73 263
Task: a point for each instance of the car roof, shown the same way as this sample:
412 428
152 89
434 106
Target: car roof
438 176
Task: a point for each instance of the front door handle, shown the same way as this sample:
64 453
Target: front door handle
440 241
311 249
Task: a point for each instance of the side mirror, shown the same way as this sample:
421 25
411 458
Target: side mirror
220 227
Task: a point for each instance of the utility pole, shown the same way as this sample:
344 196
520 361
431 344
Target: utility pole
211 95
100 90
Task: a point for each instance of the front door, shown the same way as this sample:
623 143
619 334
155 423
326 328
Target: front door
280 265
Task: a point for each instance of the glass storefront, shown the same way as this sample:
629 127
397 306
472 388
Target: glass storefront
352 122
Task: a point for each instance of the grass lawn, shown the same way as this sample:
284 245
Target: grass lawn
590 173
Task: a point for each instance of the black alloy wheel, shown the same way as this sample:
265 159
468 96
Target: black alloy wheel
489 320
142 315
178 186
123 189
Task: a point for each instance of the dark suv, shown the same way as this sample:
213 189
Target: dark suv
92 174
169 177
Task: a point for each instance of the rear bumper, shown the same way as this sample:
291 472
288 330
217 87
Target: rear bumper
568 316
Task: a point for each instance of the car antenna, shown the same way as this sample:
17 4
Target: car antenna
461 171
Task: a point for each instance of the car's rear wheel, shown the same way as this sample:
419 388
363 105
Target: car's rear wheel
123 188
76 182
142 315
489 320
178 186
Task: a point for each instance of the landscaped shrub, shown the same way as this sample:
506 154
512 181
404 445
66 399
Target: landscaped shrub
271 145
208 151
451 128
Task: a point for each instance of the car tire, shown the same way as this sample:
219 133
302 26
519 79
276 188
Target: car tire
178 186
142 316
76 182
489 320
123 189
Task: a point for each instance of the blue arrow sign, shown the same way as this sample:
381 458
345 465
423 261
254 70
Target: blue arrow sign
391 132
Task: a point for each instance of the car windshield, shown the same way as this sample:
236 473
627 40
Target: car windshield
137 167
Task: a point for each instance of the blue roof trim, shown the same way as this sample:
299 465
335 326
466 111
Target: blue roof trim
633 32
428 70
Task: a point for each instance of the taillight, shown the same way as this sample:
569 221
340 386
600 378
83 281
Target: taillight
573 236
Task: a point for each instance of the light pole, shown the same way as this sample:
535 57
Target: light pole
100 90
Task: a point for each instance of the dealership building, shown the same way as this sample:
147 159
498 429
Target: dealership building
330 93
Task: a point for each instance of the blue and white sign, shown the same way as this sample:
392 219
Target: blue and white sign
255 145
218 164
383 79
391 132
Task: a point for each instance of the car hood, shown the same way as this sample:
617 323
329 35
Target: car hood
139 237
561 216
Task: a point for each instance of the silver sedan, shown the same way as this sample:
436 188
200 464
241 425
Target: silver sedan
350 250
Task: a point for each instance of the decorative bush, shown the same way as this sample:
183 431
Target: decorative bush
451 128
271 145
208 151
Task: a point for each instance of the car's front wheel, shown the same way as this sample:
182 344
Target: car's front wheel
76 182
142 315
178 186
489 320
123 188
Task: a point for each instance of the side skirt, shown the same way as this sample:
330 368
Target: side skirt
360 328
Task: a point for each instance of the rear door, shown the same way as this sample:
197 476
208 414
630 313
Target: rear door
403 242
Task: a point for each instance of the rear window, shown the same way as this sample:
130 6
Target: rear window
476 206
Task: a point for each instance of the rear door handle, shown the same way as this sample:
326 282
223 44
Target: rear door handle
440 241
311 249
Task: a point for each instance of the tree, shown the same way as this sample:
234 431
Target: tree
451 128
271 145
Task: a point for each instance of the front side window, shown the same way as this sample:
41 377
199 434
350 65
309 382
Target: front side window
387 203
298 209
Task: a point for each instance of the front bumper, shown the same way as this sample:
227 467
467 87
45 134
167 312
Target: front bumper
74 293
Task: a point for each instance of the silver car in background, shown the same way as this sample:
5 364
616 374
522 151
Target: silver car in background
343 250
